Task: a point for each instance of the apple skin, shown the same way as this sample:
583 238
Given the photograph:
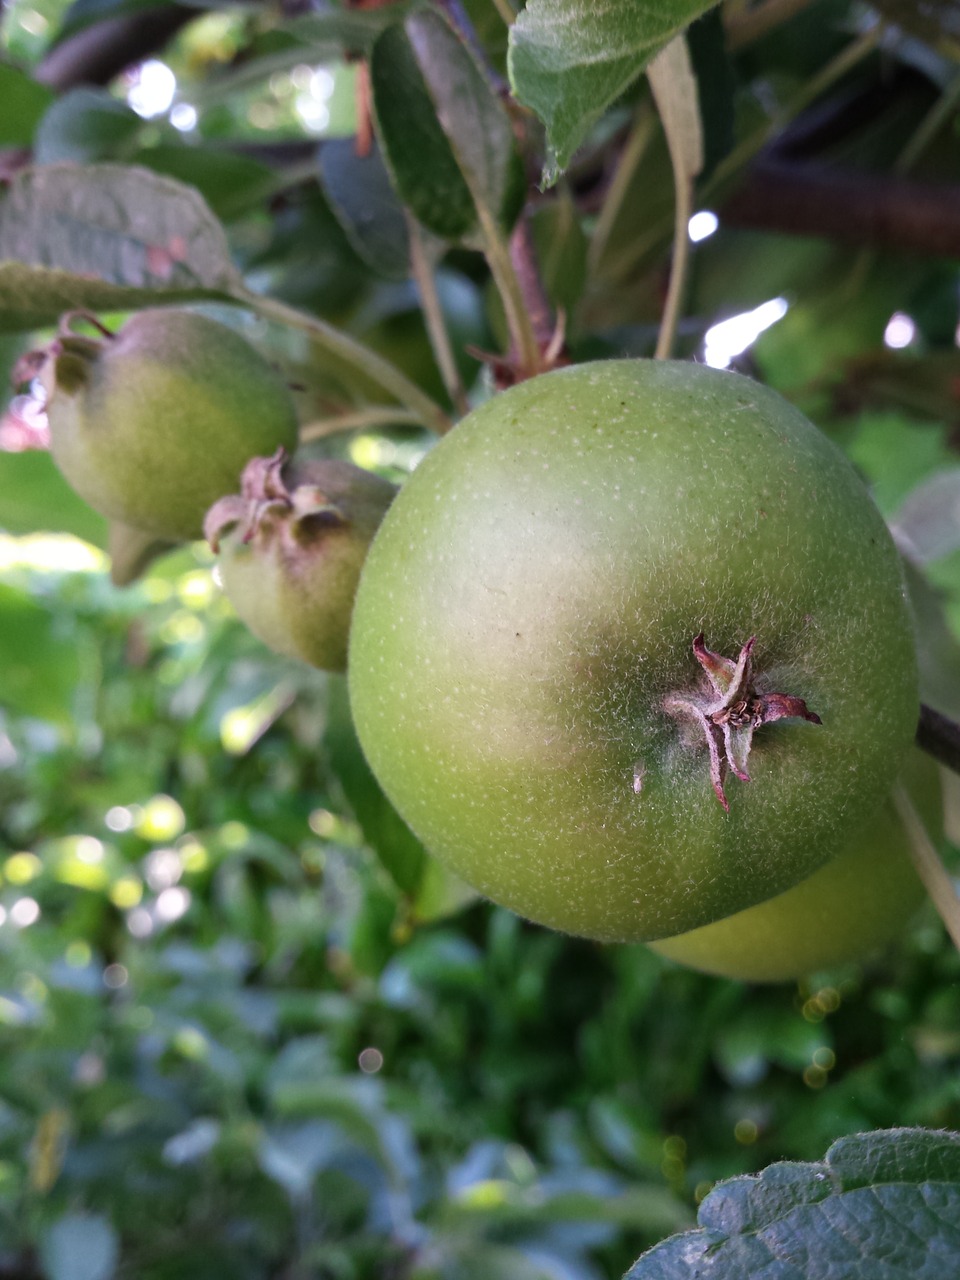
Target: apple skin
291 546
530 602
153 424
858 902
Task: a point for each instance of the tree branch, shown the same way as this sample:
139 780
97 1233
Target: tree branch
859 208
939 736
100 52
523 255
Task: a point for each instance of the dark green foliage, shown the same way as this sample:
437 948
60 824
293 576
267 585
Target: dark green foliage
197 1083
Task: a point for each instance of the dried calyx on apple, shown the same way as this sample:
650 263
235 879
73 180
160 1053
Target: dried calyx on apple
291 546
728 710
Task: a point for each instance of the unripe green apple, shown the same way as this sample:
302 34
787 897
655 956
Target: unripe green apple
154 423
291 547
631 650
859 901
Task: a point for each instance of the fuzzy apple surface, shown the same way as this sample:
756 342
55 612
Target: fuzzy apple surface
153 424
607 598
859 901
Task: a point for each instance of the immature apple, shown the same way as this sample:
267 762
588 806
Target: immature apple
291 546
154 423
631 651
854 904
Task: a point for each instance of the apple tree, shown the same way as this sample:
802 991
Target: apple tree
480 640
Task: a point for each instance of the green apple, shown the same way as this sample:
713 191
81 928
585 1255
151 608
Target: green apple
630 650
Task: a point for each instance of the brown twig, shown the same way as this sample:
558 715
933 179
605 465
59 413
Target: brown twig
523 255
859 208
101 51
939 736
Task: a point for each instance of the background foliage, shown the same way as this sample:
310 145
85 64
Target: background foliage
246 1028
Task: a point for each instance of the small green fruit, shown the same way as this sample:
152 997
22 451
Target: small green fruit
860 901
594 637
152 424
291 548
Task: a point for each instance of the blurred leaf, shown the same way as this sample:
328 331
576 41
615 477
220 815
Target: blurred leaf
746 1045
932 20
300 1067
736 270
716 87
105 237
24 102
926 385
231 184
38 667
348 30
478 1260
895 453
34 496
674 90
80 1246
440 893
191 1144
570 70
928 522
938 651
829 324
447 138
561 250
359 192
434 961
881 1204
394 843
83 126
294 1155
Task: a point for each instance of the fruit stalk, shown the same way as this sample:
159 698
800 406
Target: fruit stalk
939 736
359 356
936 879
433 318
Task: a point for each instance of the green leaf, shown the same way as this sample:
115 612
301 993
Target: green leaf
716 87
418 153
345 30
24 102
34 496
231 184
569 60
446 136
561 250
881 1206
38 666
358 191
85 125
398 849
440 893
105 237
